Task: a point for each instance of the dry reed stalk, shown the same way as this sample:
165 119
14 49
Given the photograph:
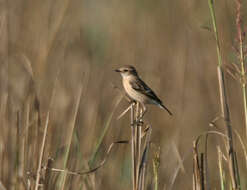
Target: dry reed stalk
48 173
200 174
44 138
137 142
4 51
236 169
226 114
139 148
206 174
81 173
156 165
3 67
36 135
42 151
19 170
224 104
32 109
221 172
133 146
68 140
240 39
24 136
196 169
202 171
21 145
18 135
144 159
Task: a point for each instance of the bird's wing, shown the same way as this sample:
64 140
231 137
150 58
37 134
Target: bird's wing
141 87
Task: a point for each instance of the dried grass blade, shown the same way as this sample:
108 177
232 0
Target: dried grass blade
144 159
95 168
70 135
42 152
220 164
105 129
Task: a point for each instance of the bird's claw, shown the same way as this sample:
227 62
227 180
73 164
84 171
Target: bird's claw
138 121
133 102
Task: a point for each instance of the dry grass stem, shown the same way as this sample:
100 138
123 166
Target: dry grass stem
82 173
71 127
42 152
226 114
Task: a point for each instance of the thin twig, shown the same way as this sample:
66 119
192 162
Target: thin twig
222 177
124 112
242 145
196 168
133 146
42 151
210 132
79 173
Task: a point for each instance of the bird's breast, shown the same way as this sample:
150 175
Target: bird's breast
134 94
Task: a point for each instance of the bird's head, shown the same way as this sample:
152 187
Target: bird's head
127 70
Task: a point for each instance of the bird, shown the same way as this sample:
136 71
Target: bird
138 90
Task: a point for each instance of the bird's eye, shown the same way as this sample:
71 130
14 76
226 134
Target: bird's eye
125 70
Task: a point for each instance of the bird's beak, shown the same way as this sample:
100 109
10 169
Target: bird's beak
117 70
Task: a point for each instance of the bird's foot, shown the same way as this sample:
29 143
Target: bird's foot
133 102
138 121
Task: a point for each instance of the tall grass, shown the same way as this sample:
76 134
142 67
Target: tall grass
139 148
73 142
231 153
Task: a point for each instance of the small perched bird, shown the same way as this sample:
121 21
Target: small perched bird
137 90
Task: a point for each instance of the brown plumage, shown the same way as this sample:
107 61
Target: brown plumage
138 90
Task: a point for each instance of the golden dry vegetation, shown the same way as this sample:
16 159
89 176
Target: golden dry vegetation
57 64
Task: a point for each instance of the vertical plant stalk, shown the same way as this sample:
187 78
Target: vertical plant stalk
156 165
144 159
224 103
133 146
222 176
19 163
206 173
138 143
212 12
241 58
42 152
42 149
22 141
4 51
226 115
236 169
70 135
25 124
202 172
136 147
198 168
197 184
48 173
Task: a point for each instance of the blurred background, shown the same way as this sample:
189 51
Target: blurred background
52 49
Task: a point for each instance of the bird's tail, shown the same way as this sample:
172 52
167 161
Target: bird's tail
165 108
